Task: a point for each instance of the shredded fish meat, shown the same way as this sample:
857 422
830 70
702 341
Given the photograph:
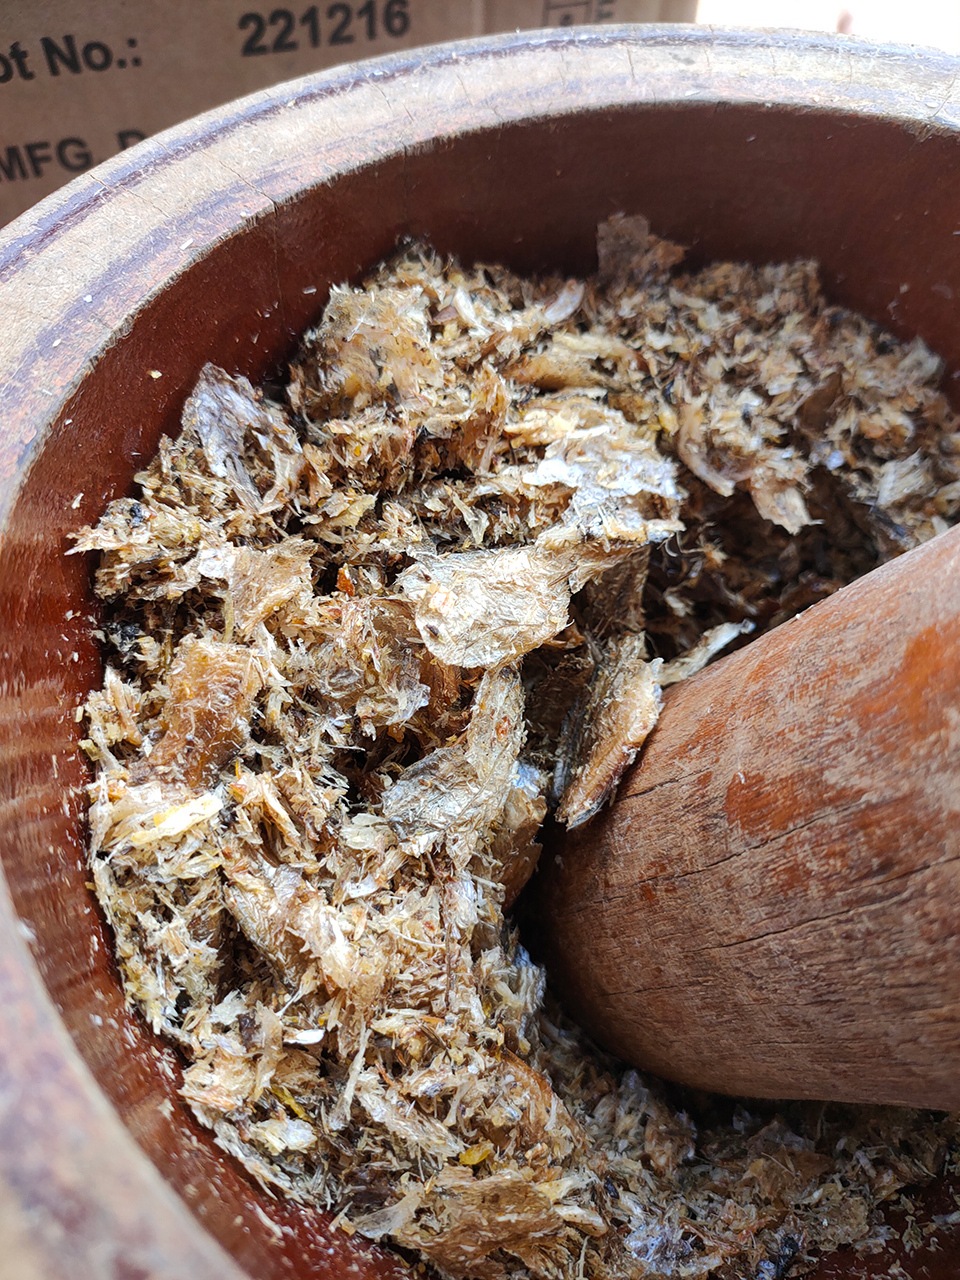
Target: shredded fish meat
362 638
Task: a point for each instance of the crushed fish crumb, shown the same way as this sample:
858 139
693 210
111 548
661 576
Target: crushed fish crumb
363 638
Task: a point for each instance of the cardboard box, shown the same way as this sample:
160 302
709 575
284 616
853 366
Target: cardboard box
80 82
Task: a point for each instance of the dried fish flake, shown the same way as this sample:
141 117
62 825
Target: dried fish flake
363 641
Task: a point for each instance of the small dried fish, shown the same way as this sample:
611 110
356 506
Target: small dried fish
362 641
621 708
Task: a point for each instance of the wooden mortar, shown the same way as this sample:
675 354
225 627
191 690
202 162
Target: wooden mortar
218 240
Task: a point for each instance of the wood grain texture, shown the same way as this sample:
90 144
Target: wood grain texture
772 905
219 240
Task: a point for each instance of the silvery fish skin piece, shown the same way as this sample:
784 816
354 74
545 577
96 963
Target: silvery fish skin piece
360 643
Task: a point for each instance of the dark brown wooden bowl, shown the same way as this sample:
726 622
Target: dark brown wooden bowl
218 241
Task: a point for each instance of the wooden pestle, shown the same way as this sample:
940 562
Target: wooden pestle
771 906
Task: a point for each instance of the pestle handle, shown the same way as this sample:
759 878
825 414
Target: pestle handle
771 906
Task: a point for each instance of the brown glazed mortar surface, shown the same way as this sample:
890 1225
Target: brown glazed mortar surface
218 240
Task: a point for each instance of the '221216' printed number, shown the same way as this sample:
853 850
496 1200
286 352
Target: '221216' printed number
392 18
